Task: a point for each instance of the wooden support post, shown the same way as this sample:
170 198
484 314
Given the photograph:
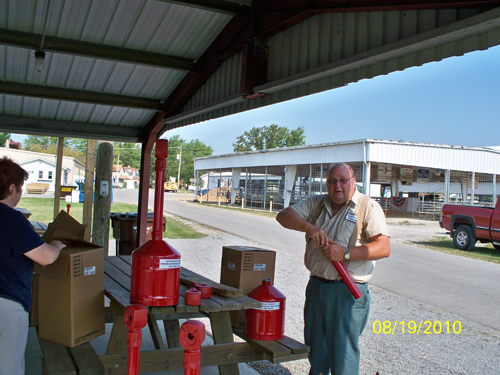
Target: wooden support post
89 186
271 205
57 193
102 204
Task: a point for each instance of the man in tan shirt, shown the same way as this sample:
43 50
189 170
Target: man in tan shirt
333 319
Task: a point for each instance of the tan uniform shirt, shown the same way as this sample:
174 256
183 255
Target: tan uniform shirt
339 228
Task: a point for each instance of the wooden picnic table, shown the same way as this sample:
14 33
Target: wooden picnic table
24 211
225 353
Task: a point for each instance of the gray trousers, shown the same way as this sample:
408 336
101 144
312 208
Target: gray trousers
14 322
333 323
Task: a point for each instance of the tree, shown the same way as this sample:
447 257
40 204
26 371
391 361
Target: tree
73 147
129 154
267 137
190 150
3 138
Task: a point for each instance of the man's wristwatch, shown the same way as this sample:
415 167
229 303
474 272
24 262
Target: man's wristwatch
347 255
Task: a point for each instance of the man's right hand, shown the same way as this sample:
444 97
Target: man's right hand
319 237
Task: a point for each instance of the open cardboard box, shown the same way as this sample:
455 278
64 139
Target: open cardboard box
71 290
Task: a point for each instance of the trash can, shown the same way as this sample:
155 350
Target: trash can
124 227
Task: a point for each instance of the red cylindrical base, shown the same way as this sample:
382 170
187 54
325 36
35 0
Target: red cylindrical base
268 321
192 297
155 277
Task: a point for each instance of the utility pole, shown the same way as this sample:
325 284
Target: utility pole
179 173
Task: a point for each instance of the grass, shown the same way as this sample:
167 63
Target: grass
445 245
42 209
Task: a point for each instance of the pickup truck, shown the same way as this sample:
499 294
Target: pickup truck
468 224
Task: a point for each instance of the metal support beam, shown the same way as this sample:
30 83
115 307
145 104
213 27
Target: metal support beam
254 68
80 96
93 50
71 129
219 6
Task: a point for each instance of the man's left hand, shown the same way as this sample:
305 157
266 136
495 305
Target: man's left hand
333 251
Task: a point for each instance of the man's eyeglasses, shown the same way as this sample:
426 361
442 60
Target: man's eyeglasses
342 181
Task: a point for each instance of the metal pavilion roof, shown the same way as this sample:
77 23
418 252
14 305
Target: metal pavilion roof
128 70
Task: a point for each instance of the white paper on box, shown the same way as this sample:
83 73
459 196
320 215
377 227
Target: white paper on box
170 263
89 271
269 306
259 267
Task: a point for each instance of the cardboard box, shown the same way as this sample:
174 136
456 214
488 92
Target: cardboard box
71 290
244 268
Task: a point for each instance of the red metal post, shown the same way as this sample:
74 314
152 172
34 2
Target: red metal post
191 337
347 279
136 318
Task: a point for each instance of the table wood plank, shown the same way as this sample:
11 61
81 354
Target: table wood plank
171 359
223 334
272 349
188 276
86 360
172 331
57 359
295 346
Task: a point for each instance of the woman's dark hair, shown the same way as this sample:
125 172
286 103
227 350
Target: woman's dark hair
11 173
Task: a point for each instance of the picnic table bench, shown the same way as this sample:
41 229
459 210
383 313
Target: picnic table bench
24 211
39 226
36 187
225 353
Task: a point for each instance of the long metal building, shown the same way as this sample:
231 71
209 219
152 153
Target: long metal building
405 176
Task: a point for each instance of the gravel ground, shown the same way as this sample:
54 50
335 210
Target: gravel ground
475 350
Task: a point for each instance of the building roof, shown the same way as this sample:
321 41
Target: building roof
459 158
42 161
130 70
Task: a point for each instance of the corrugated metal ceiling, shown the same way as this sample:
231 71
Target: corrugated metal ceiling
114 69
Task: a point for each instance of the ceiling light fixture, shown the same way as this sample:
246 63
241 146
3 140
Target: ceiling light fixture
40 55
39 60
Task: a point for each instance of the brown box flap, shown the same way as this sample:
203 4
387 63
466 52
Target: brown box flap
65 226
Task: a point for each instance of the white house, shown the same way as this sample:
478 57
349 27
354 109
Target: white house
41 170
42 167
127 177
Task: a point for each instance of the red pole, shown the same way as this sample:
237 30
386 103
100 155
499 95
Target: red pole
136 318
347 279
191 337
161 153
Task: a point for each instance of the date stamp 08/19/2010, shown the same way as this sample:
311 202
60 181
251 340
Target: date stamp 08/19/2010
412 327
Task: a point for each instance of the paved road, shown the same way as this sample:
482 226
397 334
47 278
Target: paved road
462 286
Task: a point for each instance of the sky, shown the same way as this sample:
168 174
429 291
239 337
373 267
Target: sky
455 102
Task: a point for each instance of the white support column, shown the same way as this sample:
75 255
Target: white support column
446 186
494 190
265 191
290 171
310 180
321 179
366 177
235 183
465 192
196 185
473 189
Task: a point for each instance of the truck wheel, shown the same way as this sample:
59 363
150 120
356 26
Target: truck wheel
463 238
